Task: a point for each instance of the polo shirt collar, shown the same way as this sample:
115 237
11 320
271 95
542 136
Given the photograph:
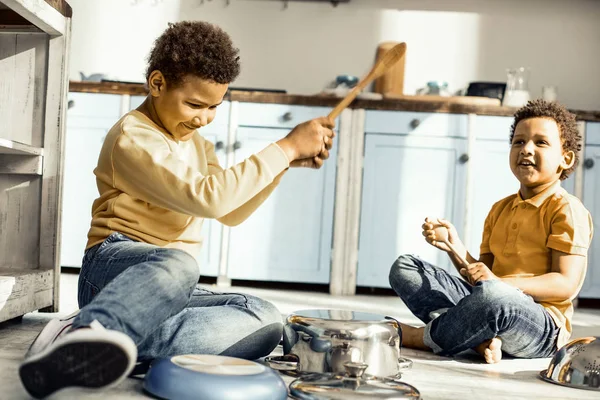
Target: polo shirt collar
539 198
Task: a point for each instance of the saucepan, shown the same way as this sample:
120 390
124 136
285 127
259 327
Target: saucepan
323 341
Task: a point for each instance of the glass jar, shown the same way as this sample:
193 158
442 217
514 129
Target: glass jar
517 87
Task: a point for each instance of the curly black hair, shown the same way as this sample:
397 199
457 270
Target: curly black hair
570 136
194 48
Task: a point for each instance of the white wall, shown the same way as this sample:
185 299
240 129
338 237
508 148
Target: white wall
303 47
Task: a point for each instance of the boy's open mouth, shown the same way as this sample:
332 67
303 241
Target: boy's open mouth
526 163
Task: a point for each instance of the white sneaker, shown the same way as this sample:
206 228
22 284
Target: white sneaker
92 357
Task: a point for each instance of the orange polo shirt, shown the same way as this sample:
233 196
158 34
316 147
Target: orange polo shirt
521 234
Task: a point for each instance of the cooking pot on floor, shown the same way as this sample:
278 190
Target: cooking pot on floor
324 340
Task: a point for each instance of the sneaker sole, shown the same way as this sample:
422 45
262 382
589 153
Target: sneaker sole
79 363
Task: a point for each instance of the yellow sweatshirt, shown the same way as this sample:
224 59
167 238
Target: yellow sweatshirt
156 189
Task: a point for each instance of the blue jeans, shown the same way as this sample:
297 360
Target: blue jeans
460 316
150 294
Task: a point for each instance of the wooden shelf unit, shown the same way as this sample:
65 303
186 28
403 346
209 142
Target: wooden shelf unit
34 43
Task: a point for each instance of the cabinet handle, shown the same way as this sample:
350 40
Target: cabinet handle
237 145
70 104
588 163
463 158
415 123
219 145
287 116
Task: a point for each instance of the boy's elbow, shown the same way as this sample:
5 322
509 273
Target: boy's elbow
228 221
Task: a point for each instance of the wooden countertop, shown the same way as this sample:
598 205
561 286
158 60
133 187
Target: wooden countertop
327 101
62 7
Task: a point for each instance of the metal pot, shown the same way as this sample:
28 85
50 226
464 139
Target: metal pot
576 364
324 340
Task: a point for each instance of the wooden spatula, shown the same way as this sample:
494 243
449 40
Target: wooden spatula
390 58
441 235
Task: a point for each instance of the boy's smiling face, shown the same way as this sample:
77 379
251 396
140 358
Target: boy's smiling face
537 157
182 109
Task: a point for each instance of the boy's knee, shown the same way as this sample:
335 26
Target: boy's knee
266 312
498 298
182 267
402 269
263 339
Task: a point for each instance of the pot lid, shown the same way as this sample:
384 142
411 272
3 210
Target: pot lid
352 385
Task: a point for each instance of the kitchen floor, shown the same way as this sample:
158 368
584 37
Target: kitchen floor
435 377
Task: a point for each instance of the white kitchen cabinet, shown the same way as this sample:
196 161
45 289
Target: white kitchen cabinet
89 118
591 200
288 238
414 171
210 254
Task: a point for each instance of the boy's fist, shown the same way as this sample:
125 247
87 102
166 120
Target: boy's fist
430 235
477 272
308 140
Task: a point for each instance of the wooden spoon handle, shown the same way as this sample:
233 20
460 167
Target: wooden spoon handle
390 58
462 260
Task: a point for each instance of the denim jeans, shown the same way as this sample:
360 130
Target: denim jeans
150 294
460 316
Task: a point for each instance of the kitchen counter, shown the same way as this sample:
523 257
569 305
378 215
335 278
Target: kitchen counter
61 6
328 101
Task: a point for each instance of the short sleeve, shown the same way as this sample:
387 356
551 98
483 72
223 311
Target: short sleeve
571 229
487 231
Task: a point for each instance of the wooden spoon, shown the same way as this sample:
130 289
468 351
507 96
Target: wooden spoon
390 58
441 235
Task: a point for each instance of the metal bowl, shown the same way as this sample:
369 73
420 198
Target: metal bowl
576 364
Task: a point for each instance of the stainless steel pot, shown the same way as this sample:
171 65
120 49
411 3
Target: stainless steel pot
576 364
324 340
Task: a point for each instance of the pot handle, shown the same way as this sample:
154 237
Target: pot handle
289 362
316 344
399 329
403 363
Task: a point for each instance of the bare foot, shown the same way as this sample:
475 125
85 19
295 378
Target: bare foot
491 350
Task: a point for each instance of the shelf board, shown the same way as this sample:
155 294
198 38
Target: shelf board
24 290
16 148
21 165
39 13
20 29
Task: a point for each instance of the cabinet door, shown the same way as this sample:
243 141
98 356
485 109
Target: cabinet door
492 181
591 200
211 229
406 179
215 132
89 118
288 238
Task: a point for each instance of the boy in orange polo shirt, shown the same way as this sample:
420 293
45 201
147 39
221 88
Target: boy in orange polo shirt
517 298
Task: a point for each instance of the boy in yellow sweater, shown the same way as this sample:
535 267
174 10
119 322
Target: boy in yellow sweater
158 179
517 298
